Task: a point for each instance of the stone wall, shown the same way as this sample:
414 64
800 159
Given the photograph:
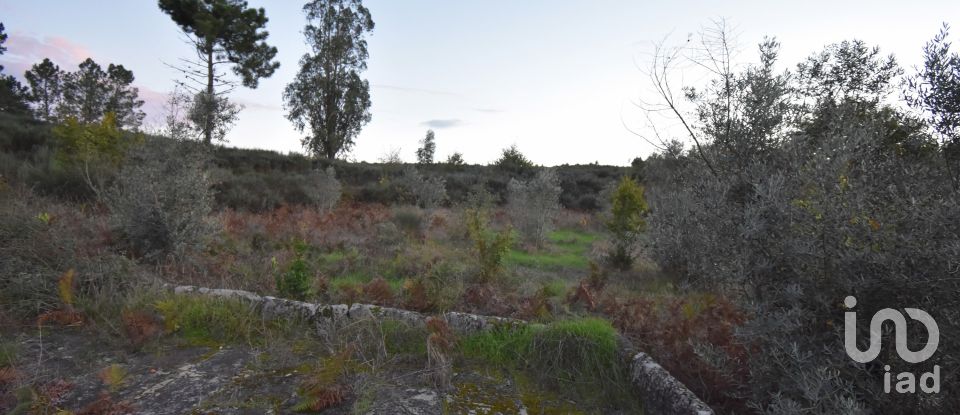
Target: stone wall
659 391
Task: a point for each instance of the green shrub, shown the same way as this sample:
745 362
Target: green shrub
295 281
626 222
491 247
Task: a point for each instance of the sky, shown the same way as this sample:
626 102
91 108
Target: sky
558 78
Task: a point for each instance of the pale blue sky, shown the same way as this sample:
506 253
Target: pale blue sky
555 77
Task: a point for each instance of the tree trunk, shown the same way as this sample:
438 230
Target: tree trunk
209 102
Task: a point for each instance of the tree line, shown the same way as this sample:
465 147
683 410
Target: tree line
328 100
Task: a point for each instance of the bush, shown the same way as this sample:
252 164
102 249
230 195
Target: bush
161 201
628 206
40 241
410 220
788 220
532 205
295 281
94 150
427 192
325 190
490 247
513 161
455 159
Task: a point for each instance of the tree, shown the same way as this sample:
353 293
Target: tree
13 95
223 32
513 161
848 71
85 93
427 147
455 159
122 99
90 93
626 221
96 149
328 97
935 90
46 84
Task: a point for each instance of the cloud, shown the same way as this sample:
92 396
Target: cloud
25 50
439 124
256 106
417 90
489 110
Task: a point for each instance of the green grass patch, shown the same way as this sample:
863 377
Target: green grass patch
566 249
578 356
8 354
554 288
332 257
210 321
403 338
359 278
499 346
575 351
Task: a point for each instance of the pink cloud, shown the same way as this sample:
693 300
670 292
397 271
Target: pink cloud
25 50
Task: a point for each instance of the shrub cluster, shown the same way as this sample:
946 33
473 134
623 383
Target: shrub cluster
788 215
533 204
161 202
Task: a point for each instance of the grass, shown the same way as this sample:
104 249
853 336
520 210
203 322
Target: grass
401 338
8 354
574 351
499 346
211 321
358 278
554 288
566 249
578 355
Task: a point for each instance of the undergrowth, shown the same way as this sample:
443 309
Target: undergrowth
210 320
578 356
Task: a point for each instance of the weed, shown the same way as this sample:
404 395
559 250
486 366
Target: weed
378 291
323 387
440 343
113 376
105 405
65 288
140 326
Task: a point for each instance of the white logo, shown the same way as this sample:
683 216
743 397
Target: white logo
906 380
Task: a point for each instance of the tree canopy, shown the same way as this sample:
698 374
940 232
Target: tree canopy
223 32
328 98
13 95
